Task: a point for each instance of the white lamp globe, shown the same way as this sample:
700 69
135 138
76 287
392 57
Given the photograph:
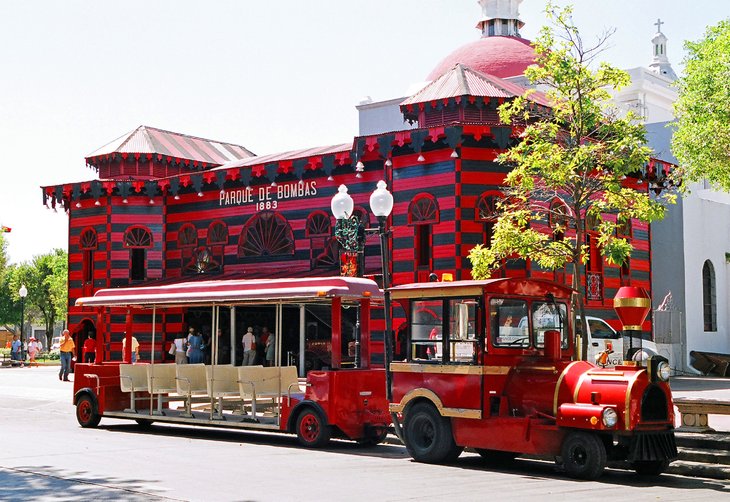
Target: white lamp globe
23 292
342 204
381 200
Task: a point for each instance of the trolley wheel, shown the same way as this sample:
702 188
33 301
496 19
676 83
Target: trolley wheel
650 467
584 455
312 429
428 435
496 456
86 412
373 439
144 423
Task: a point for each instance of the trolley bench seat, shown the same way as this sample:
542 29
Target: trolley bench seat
133 379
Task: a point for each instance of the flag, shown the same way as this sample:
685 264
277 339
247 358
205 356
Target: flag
3 228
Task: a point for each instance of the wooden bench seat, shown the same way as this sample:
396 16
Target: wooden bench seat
191 381
161 380
693 413
133 379
271 383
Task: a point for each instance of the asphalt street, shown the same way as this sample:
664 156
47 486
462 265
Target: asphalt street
45 455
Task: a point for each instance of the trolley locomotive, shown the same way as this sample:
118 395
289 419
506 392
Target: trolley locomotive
489 366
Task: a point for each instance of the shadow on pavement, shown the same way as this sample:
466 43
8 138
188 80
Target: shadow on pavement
257 438
26 483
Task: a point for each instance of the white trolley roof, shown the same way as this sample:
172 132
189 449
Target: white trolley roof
232 291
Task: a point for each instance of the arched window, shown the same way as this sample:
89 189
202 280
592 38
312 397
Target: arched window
487 212
558 218
187 236
423 210
187 240
217 241
137 239
709 301
266 234
88 243
623 228
217 234
319 232
423 213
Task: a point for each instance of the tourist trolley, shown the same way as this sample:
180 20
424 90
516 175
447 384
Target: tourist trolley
489 365
345 400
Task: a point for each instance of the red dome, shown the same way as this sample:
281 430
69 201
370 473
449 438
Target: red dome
499 56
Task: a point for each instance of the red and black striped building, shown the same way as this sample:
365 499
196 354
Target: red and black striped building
168 207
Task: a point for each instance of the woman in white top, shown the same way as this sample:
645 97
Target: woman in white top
180 348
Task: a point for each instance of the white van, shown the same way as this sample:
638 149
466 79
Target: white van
56 344
603 338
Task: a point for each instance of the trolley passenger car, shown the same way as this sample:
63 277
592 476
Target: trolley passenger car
344 400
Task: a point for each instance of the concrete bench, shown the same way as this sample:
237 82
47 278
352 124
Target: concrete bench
191 381
693 413
133 379
161 380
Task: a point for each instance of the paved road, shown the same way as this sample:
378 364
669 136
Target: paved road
45 455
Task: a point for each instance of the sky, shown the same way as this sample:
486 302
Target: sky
269 75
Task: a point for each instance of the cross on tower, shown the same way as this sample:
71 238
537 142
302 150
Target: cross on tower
658 25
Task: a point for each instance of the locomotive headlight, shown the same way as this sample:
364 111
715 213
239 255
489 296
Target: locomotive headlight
609 417
663 371
659 370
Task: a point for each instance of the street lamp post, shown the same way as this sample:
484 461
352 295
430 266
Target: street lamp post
348 232
22 292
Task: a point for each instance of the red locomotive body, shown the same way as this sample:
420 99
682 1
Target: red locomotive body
488 366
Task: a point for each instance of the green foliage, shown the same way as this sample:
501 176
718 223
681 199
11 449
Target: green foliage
46 278
576 154
701 141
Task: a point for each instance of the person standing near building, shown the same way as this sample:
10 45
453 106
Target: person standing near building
270 349
89 349
249 347
195 347
67 348
15 348
180 345
33 348
135 348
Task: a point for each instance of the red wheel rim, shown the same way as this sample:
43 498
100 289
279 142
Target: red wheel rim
85 410
309 428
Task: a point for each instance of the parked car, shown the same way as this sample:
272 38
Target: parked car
602 338
56 344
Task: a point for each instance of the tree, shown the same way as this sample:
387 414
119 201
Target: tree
572 166
701 141
46 278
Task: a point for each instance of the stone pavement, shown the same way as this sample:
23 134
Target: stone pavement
696 460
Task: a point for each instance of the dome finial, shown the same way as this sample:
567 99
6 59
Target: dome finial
500 18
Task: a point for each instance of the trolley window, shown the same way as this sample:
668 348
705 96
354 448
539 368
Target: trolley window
508 327
444 330
549 316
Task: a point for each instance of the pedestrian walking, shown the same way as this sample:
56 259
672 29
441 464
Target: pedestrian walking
67 348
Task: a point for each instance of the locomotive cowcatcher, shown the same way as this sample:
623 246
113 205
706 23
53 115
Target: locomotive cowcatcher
489 365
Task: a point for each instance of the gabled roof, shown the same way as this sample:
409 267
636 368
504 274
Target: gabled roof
462 81
150 140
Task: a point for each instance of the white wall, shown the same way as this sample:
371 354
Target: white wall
706 237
